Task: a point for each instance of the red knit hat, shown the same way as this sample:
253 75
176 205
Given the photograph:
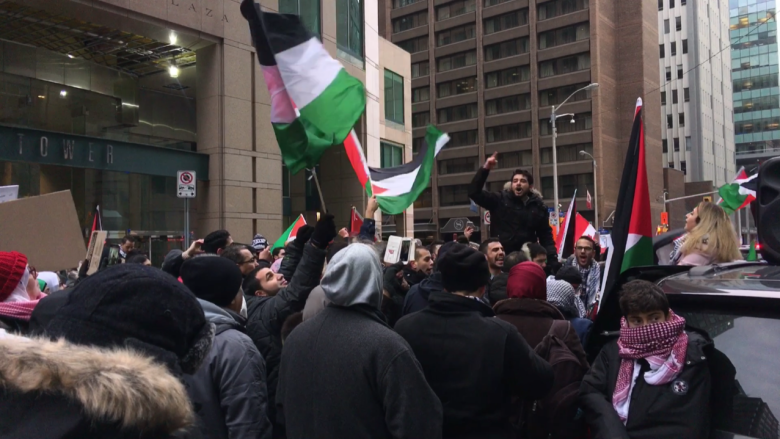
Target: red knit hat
527 281
12 266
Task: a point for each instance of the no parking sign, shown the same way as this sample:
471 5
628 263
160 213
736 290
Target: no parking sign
186 184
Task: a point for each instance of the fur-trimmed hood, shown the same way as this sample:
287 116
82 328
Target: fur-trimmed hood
115 386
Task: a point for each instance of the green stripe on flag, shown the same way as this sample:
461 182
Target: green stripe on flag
301 144
732 199
337 108
638 255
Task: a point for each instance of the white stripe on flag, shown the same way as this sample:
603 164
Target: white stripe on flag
307 70
403 184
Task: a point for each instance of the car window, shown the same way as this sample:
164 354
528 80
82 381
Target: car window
752 344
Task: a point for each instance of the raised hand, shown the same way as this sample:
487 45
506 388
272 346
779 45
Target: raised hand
491 162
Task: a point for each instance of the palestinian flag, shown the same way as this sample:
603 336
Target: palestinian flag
739 193
565 239
632 242
314 101
290 233
397 188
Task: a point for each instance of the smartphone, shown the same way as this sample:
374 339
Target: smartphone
399 249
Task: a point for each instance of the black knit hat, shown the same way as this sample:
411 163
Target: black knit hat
447 246
131 305
211 278
463 269
569 274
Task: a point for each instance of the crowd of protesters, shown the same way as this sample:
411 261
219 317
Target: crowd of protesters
322 339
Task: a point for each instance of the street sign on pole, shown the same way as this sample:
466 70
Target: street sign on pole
187 186
487 217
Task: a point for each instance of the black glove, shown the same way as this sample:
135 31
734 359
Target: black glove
84 268
303 235
324 231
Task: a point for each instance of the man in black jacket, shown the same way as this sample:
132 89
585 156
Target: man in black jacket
518 215
475 363
270 304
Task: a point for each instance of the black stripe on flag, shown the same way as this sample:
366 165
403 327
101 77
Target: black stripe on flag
379 174
273 33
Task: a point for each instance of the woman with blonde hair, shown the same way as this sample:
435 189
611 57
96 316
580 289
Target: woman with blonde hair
710 239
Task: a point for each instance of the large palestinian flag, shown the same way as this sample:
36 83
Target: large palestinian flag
739 193
397 188
314 101
632 244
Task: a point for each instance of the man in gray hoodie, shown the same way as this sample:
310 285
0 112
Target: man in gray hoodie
229 391
345 373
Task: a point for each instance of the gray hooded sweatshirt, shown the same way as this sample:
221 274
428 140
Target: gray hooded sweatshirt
345 373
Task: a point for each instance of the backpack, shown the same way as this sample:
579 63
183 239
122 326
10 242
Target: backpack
556 415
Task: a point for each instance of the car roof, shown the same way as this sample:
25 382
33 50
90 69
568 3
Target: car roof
736 279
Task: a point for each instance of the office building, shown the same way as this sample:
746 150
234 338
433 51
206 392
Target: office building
108 99
488 71
696 107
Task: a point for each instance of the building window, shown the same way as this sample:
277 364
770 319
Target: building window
564 65
421 94
678 23
459 112
455 8
660 5
668 73
513 131
454 35
349 25
456 61
557 95
676 144
582 121
564 35
458 166
755 82
508 104
506 21
508 76
308 10
674 96
566 153
555 8
462 138
684 168
392 154
417 143
420 69
664 145
673 50
285 181
401 3
685 46
506 49
516 159
457 87
671 165
661 50
425 199
679 71
421 119
757 104
567 184
671 4
669 123
394 97
683 2
681 119
663 98
687 143
666 26
414 45
410 21
457 195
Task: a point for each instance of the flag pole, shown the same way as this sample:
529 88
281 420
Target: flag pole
319 189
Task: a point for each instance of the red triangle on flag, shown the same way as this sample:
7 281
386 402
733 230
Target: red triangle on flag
355 222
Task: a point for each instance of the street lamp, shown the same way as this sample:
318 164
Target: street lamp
595 188
553 117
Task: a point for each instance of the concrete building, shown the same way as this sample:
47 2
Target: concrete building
488 71
108 99
696 106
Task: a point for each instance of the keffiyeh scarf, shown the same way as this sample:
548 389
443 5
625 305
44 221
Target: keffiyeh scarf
560 294
662 345
676 255
591 276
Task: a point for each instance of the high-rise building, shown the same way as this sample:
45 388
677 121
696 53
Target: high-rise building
696 106
488 71
754 72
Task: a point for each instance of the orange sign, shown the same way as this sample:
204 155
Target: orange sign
664 217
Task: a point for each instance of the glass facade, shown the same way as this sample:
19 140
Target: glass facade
309 11
394 97
349 27
754 73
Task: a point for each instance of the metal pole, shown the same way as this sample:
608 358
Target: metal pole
739 227
555 174
186 223
319 189
595 195
690 196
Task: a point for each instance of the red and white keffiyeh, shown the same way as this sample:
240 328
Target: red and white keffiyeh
662 345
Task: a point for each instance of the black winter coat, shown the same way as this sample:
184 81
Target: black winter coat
513 221
267 314
417 297
496 290
475 363
679 409
346 374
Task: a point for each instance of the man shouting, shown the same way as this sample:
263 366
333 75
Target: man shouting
517 215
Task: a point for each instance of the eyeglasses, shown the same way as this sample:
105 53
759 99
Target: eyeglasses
584 249
248 261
